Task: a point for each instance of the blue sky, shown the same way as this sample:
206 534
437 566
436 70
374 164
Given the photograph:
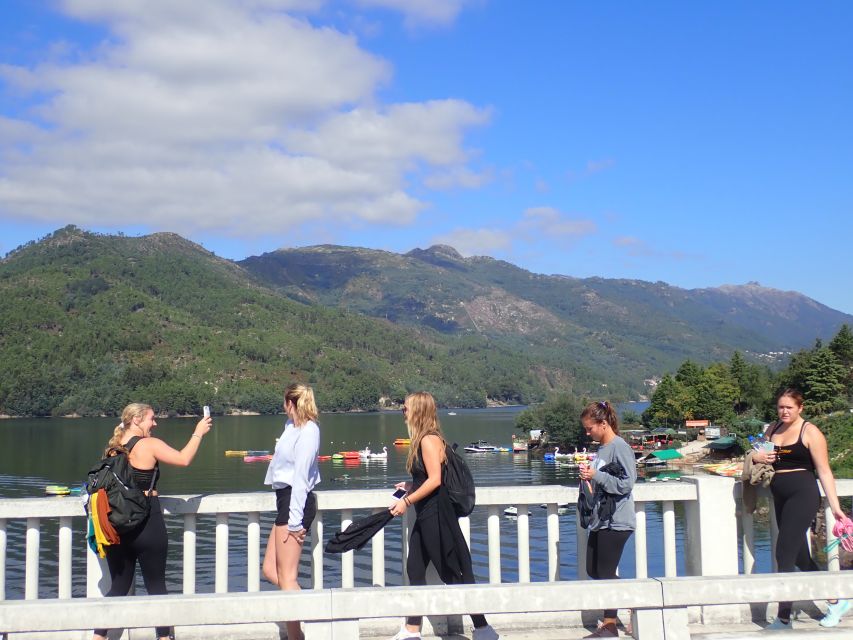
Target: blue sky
699 144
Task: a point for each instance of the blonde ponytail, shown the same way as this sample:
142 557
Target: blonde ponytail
302 397
131 411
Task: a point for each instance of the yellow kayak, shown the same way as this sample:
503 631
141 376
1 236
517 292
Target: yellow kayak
57 490
235 454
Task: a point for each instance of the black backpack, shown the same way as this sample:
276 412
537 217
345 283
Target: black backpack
129 506
459 483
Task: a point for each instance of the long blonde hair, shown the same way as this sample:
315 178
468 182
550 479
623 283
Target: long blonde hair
131 411
422 420
302 396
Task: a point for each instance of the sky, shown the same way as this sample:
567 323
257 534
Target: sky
698 144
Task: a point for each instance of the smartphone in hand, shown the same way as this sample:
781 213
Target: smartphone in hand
398 494
206 411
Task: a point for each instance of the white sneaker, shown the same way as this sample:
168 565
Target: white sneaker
834 613
778 625
405 634
484 633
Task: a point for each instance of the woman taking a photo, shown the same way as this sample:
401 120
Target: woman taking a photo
800 453
436 536
608 482
148 543
293 473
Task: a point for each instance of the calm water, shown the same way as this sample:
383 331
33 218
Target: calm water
34 453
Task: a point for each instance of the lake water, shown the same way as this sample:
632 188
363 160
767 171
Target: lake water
35 453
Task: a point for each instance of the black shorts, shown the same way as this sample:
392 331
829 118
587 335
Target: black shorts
282 504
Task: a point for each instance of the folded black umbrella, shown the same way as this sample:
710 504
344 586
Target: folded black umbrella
358 533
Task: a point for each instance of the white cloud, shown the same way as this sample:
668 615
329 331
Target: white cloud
241 117
633 246
550 222
637 248
459 177
537 227
476 242
421 12
592 167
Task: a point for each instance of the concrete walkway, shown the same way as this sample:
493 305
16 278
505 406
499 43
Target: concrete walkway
803 630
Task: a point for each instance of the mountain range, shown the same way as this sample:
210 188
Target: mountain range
91 322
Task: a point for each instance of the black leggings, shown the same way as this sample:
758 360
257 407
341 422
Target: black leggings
796 500
149 545
603 552
424 548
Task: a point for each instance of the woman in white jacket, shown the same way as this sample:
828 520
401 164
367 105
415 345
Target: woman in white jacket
293 473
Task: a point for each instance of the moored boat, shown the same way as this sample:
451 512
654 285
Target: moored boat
57 490
262 458
403 442
481 446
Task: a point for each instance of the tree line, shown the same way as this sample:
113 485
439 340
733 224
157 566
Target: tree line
737 394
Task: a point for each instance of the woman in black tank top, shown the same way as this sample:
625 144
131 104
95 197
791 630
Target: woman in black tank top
147 544
800 452
436 536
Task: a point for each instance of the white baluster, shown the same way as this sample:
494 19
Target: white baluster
747 523
640 554
465 525
221 585
553 519
523 526
494 532
377 552
31 586
669 556
64 587
833 562
95 571
189 552
347 559
2 558
253 552
317 550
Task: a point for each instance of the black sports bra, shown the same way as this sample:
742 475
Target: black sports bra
145 479
793 456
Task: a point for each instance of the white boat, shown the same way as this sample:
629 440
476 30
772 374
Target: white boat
481 446
451 413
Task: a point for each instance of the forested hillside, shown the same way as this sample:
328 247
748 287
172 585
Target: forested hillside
92 322
623 330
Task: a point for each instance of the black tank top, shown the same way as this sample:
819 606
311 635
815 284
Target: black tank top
793 456
145 479
419 476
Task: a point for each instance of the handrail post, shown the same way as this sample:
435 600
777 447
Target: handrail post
64 588
553 542
31 579
189 552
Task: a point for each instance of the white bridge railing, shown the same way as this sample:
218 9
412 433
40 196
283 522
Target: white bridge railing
710 544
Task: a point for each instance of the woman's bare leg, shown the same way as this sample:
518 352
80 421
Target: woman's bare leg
269 566
287 554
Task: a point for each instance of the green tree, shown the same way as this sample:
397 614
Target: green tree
740 373
671 404
688 374
559 417
715 394
824 383
842 346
